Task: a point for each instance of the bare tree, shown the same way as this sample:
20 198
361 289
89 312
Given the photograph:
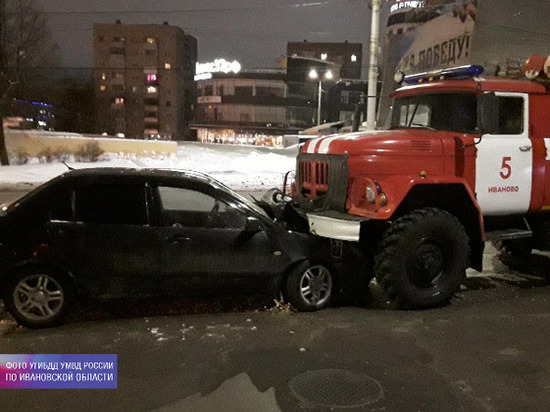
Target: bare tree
25 50
4 160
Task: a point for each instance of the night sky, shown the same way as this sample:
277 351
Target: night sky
255 32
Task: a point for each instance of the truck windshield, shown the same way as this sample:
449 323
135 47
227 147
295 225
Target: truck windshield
439 111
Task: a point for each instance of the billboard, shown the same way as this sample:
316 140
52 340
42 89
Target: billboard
426 35
436 34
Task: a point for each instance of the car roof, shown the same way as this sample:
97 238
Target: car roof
139 172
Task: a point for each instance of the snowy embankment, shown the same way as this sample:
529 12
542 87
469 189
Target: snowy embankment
244 168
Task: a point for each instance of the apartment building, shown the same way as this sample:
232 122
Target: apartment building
143 80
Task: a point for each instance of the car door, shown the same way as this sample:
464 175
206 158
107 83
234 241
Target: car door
504 161
206 247
108 243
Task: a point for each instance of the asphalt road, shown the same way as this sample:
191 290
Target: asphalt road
9 196
486 351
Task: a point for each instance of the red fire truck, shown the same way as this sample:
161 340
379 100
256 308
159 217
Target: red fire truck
465 158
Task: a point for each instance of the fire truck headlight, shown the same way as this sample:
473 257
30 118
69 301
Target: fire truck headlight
370 193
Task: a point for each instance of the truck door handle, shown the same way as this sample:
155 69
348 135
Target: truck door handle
525 148
177 239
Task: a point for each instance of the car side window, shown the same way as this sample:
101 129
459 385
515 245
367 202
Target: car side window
192 208
62 207
115 204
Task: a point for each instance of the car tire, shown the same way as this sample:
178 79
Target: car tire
39 298
422 258
310 287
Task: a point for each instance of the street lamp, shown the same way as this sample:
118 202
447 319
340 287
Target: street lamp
314 75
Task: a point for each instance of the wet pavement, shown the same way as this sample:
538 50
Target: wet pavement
486 351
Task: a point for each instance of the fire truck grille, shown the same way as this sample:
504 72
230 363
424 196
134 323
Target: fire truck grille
313 178
321 181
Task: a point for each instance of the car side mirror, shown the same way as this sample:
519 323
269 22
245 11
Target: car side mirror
252 225
488 113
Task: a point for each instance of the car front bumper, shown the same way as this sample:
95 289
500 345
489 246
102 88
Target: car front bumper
335 225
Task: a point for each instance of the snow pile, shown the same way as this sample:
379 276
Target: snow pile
246 168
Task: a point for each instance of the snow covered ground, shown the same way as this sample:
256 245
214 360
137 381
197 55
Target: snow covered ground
243 168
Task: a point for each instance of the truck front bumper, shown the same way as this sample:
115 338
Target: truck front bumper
335 225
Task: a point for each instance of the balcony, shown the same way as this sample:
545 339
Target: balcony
150 120
116 50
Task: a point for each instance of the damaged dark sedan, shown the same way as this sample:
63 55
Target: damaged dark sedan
111 232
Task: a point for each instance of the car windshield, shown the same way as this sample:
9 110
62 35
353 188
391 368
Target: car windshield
456 112
246 201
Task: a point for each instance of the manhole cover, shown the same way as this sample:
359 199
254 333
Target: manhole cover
335 388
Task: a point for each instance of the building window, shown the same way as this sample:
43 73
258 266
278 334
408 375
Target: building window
103 76
151 77
151 90
324 56
102 88
220 90
118 87
150 40
269 91
344 97
120 123
119 100
167 66
208 90
243 91
150 52
168 103
353 58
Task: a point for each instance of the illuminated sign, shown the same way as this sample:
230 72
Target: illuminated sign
407 4
204 70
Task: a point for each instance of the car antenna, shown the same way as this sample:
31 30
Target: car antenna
62 161
67 166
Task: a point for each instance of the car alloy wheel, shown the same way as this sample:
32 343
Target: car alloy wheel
38 297
310 287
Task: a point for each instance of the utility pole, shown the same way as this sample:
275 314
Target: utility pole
373 66
4 159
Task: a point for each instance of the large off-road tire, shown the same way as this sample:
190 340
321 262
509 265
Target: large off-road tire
309 287
38 298
422 258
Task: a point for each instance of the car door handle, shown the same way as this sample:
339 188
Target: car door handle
525 148
178 239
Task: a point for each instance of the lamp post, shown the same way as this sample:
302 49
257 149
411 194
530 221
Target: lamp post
314 75
373 66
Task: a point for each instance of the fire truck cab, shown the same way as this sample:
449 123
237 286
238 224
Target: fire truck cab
465 158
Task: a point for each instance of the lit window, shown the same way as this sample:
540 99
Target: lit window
102 88
324 56
103 76
151 40
353 58
167 66
119 100
151 77
151 89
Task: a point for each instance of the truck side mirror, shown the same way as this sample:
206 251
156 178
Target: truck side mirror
488 113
